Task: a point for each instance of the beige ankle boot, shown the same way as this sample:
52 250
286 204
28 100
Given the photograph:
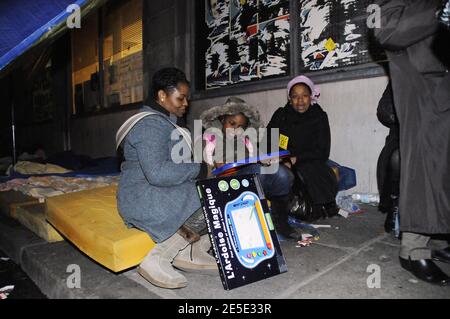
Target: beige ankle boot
157 265
195 257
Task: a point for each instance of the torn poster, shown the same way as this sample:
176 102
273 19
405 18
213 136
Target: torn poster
246 40
335 34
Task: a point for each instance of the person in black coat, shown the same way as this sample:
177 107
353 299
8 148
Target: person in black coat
388 165
417 49
305 132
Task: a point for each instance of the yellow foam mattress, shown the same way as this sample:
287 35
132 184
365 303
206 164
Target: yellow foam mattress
90 220
34 218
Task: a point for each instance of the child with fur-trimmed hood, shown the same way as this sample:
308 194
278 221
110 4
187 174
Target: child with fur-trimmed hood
226 124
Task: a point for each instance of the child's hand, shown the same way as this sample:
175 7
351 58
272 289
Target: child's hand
269 161
218 165
209 171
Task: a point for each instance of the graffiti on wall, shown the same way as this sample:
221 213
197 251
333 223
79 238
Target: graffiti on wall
247 40
334 33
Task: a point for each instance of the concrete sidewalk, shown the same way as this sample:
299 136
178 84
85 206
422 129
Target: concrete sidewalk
336 266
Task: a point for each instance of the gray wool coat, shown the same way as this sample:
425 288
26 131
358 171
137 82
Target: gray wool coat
155 194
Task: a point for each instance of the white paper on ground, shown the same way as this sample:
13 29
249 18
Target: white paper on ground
343 213
320 226
7 288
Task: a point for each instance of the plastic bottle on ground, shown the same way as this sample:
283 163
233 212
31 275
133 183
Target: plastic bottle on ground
346 203
367 198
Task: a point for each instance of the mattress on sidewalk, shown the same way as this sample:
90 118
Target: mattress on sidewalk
11 200
90 220
34 218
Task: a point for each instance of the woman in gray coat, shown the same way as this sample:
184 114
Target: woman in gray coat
157 194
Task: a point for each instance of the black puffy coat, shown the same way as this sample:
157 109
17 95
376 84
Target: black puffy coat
387 176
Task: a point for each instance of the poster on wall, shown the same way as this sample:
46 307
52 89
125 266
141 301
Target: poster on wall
334 33
246 40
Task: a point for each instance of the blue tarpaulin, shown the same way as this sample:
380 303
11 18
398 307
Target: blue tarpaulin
24 23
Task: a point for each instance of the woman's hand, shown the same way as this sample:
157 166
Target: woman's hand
269 161
291 162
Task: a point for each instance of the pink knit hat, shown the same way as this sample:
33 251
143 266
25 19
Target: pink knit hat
315 91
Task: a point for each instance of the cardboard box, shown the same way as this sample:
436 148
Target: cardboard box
245 243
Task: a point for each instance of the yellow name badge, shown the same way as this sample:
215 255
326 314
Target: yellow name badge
284 140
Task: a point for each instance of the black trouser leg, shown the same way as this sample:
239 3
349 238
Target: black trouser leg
394 170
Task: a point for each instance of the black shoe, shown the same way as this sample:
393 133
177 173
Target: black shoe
300 208
315 213
283 228
331 209
280 217
441 255
287 231
426 270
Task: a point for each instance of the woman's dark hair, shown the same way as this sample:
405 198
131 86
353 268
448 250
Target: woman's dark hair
167 79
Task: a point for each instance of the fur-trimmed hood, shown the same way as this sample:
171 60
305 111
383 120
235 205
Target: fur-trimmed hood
233 105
